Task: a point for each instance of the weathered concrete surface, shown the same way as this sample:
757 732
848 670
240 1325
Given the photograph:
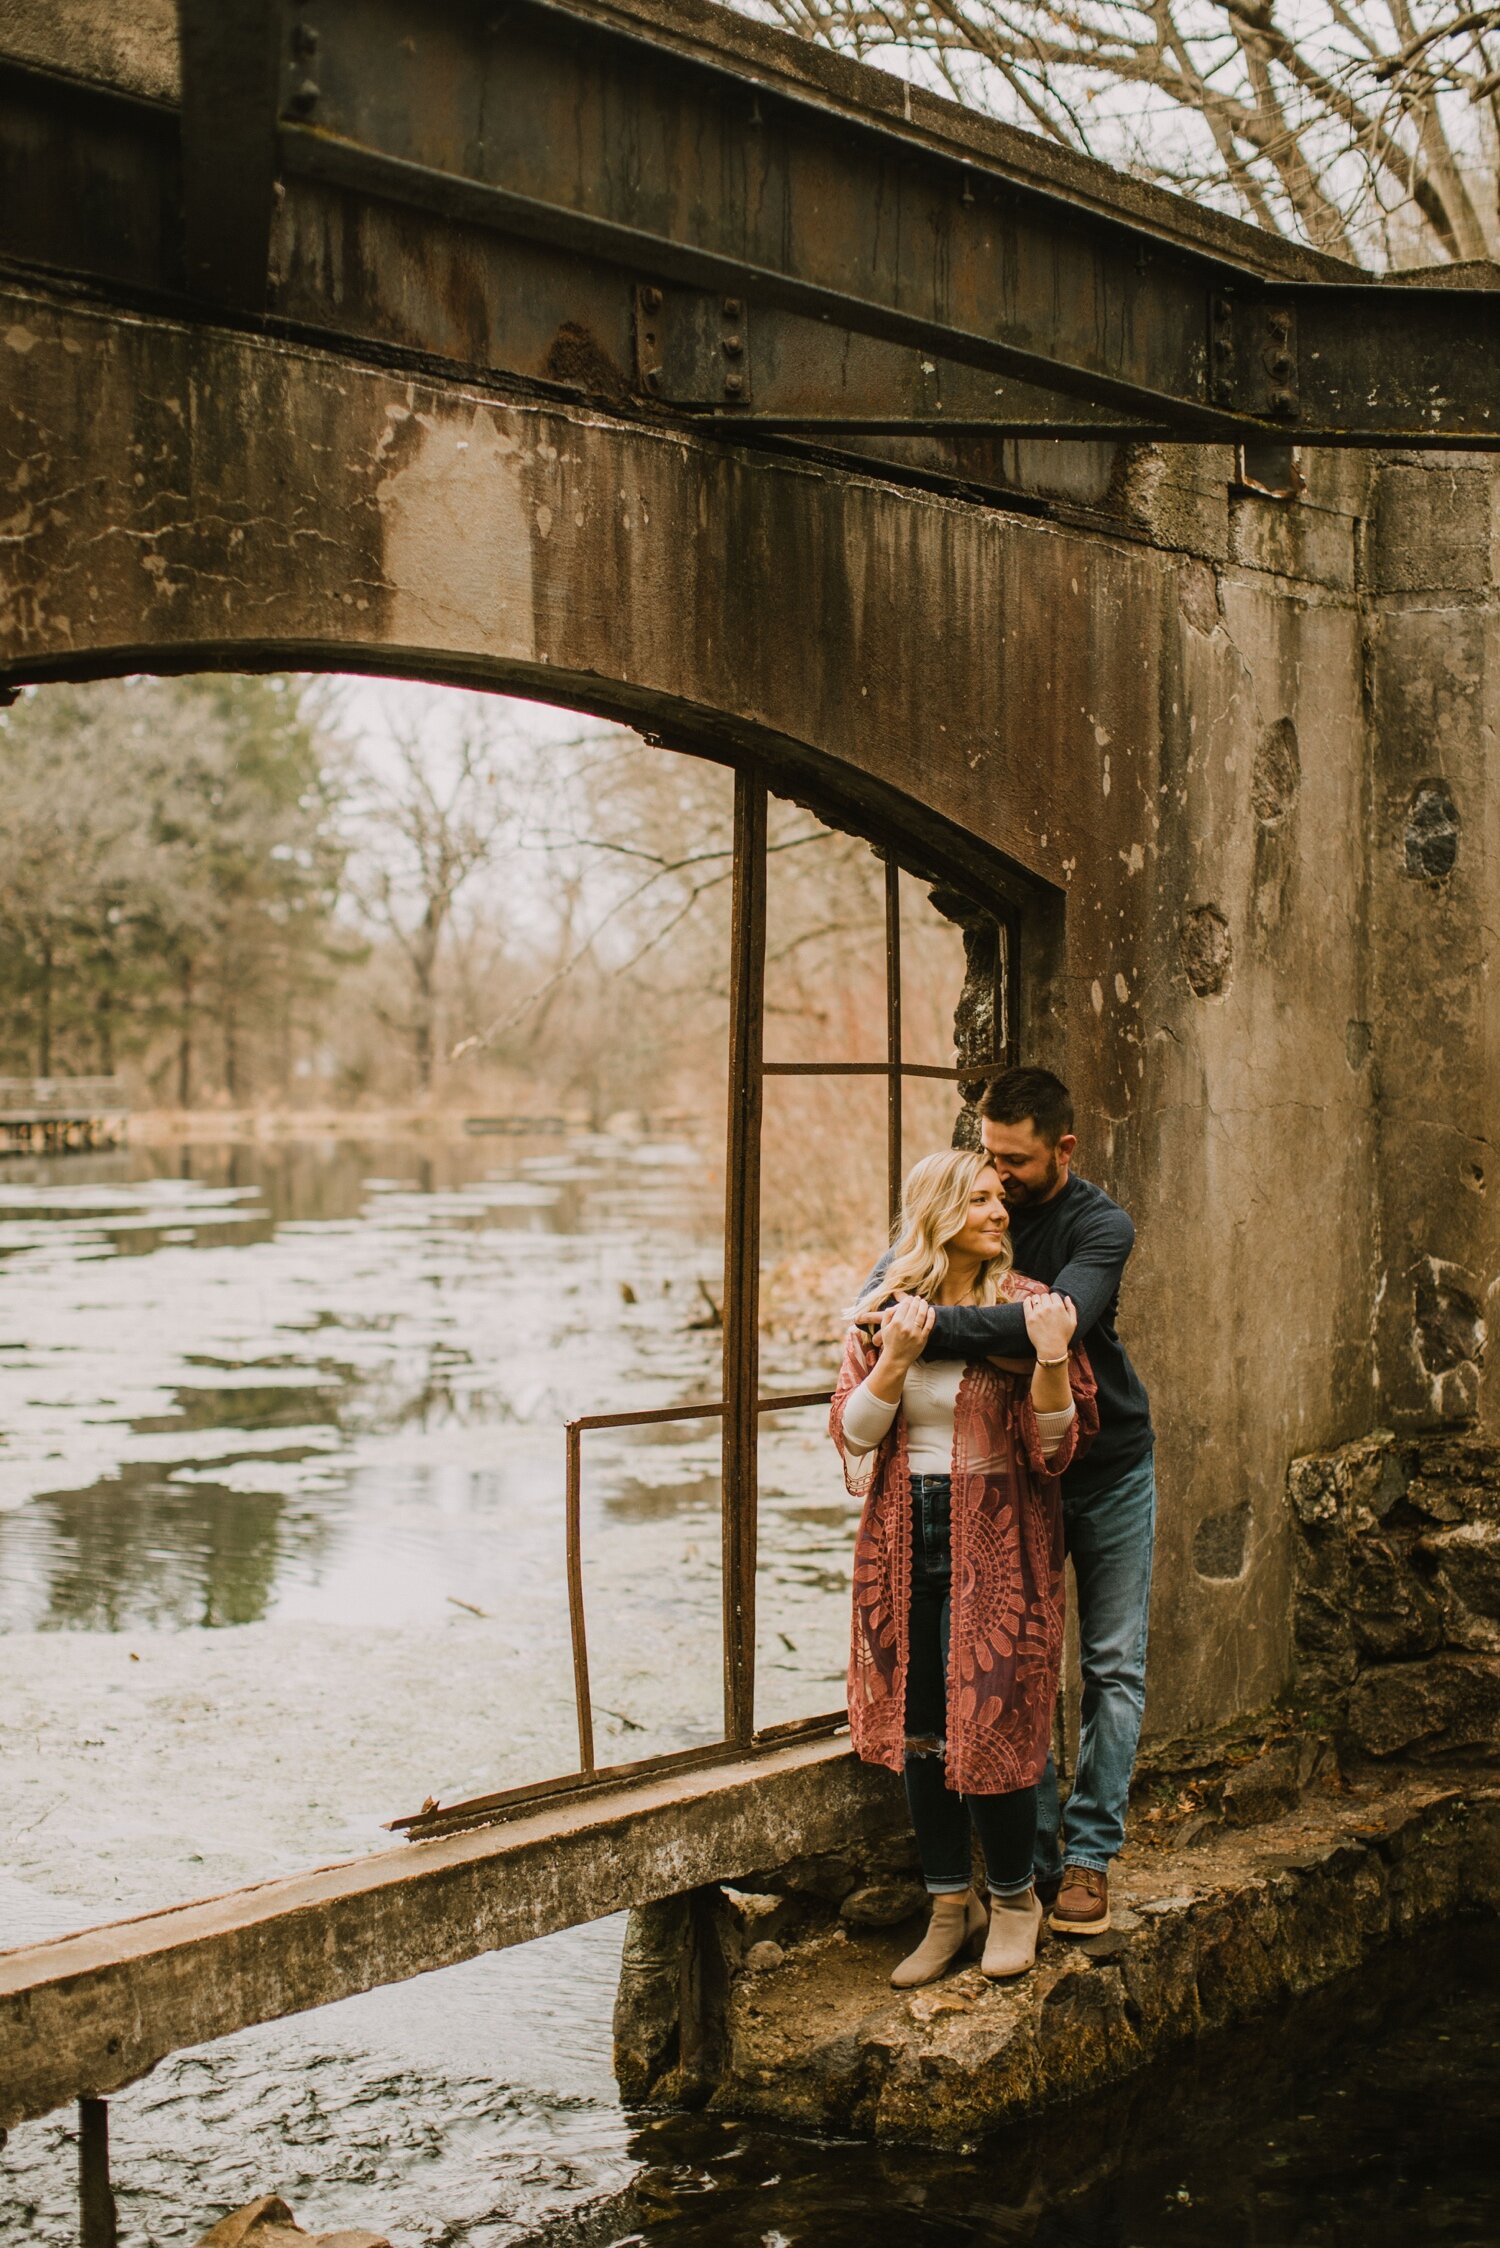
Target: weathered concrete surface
1204 1937
92 2012
1397 1612
1145 722
269 2223
1433 668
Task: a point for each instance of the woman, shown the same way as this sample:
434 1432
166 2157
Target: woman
958 1566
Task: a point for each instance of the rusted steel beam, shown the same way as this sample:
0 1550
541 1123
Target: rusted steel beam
747 973
583 1707
98 2225
601 197
594 136
893 1088
87 2014
243 62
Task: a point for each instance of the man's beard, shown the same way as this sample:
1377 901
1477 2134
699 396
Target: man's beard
1018 1195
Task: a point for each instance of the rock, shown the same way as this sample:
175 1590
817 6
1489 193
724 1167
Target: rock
757 1916
1466 1565
881 1904
1272 1783
1393 1609
762 1956
826 1878
1357 1483
1447 1706
269 2223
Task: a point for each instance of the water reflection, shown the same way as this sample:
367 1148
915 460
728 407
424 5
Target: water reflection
141 1551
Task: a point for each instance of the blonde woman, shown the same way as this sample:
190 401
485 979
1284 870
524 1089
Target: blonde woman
958 1564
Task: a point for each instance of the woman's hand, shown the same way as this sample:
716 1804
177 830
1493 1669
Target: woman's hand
904 1328
1051 1323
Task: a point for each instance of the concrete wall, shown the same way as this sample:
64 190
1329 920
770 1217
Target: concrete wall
1183 726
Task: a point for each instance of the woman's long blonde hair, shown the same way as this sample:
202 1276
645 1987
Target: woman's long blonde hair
935 1207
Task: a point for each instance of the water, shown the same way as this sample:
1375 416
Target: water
280 1554
281 1497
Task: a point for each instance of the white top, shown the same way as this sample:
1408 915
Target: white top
929 1397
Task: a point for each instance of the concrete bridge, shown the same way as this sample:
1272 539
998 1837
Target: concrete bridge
1123 569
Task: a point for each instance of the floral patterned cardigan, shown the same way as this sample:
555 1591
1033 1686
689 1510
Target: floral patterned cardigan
1006 1618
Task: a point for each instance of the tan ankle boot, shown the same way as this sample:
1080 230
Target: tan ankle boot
955 1924
1015 1923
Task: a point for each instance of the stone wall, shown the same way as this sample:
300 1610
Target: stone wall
1397 1611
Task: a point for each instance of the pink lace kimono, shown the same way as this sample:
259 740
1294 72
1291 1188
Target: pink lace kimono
1005 1638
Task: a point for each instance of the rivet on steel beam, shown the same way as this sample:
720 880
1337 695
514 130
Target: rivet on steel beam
306 97
733 346
305 41
733 308
651 299
1281 365
1282 402
733 385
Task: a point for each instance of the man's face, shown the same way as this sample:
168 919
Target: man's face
1031 1168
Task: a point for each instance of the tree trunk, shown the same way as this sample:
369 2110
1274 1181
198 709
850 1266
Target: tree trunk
231 1051
185 1036
44 1017
422 1035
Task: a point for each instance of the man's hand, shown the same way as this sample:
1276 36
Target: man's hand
1051 1323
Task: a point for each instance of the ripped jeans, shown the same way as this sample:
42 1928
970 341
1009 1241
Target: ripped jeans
1005 1824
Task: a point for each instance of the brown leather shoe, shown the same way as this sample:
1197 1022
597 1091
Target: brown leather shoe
1082 1907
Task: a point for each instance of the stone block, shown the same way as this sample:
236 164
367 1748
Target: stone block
1393 1609
882 1904
1466 1564
828 1878
1432 528
1355 1484
1446 1706
1272 1783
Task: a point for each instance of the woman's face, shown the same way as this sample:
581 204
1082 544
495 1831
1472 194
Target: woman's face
983 1231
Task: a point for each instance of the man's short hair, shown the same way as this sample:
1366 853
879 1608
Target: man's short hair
1034 1096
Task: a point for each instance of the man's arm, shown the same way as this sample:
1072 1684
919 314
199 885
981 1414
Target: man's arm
1091 1277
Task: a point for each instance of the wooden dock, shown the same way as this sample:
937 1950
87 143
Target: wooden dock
61 1115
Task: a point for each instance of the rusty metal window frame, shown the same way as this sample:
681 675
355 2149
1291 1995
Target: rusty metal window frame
740 1406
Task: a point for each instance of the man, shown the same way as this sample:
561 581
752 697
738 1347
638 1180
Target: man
1070 1235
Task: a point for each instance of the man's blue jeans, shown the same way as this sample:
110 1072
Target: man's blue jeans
1110 1536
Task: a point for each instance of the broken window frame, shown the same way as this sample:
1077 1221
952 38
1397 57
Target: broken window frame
740 1405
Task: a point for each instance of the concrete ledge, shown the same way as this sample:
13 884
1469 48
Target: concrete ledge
92 2012
1204 1938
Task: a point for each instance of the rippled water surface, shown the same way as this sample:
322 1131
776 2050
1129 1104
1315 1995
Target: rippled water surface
280 1554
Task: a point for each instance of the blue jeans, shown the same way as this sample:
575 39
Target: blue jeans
1110 1536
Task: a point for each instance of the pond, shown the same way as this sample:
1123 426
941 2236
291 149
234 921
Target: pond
280 1554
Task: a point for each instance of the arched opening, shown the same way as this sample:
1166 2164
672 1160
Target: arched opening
526 1101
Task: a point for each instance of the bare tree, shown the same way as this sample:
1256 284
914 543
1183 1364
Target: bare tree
1369 128
440 818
